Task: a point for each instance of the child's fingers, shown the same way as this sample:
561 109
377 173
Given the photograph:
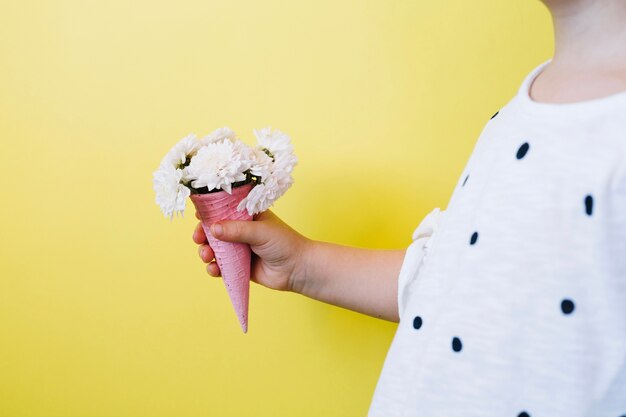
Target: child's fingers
198 235
254 233
213 269
206 253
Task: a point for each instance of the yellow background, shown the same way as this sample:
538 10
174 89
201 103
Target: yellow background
105 307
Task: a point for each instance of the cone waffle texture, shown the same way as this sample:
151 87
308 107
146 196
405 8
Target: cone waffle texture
232 258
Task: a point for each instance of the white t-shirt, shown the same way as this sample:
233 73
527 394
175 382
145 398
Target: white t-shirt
512 301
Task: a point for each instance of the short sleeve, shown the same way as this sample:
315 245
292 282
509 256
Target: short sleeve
415 256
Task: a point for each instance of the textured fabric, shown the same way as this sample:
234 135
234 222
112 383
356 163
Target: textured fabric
416 256
512 302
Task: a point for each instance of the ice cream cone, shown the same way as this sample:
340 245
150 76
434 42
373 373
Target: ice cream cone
232 258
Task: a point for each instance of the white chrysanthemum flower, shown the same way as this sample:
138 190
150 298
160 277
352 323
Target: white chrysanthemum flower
217 166
170 193
263 195
261 165
273 140
278 146
256 201
274 171
178 156
218 135
285 162
244 152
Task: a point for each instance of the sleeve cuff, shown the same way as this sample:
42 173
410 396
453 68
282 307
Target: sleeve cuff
415 256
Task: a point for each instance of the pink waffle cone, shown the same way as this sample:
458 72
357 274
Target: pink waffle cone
232 258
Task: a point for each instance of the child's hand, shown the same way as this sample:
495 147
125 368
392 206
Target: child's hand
362 280
277 249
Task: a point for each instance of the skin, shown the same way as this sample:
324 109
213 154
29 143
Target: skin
589 62
361 280
590 51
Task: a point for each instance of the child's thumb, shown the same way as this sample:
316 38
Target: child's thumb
239 231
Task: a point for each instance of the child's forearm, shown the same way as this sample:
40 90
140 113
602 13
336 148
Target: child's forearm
362 280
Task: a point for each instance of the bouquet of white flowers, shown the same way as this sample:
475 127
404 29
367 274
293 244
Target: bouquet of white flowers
226 180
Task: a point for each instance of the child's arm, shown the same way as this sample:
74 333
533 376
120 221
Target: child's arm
362 280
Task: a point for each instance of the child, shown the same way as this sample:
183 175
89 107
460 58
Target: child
512 301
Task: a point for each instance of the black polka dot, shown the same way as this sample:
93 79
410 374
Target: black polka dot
523 414
521 152
496 113
465 180
456 344
567 306
417 322
474 238
589 205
